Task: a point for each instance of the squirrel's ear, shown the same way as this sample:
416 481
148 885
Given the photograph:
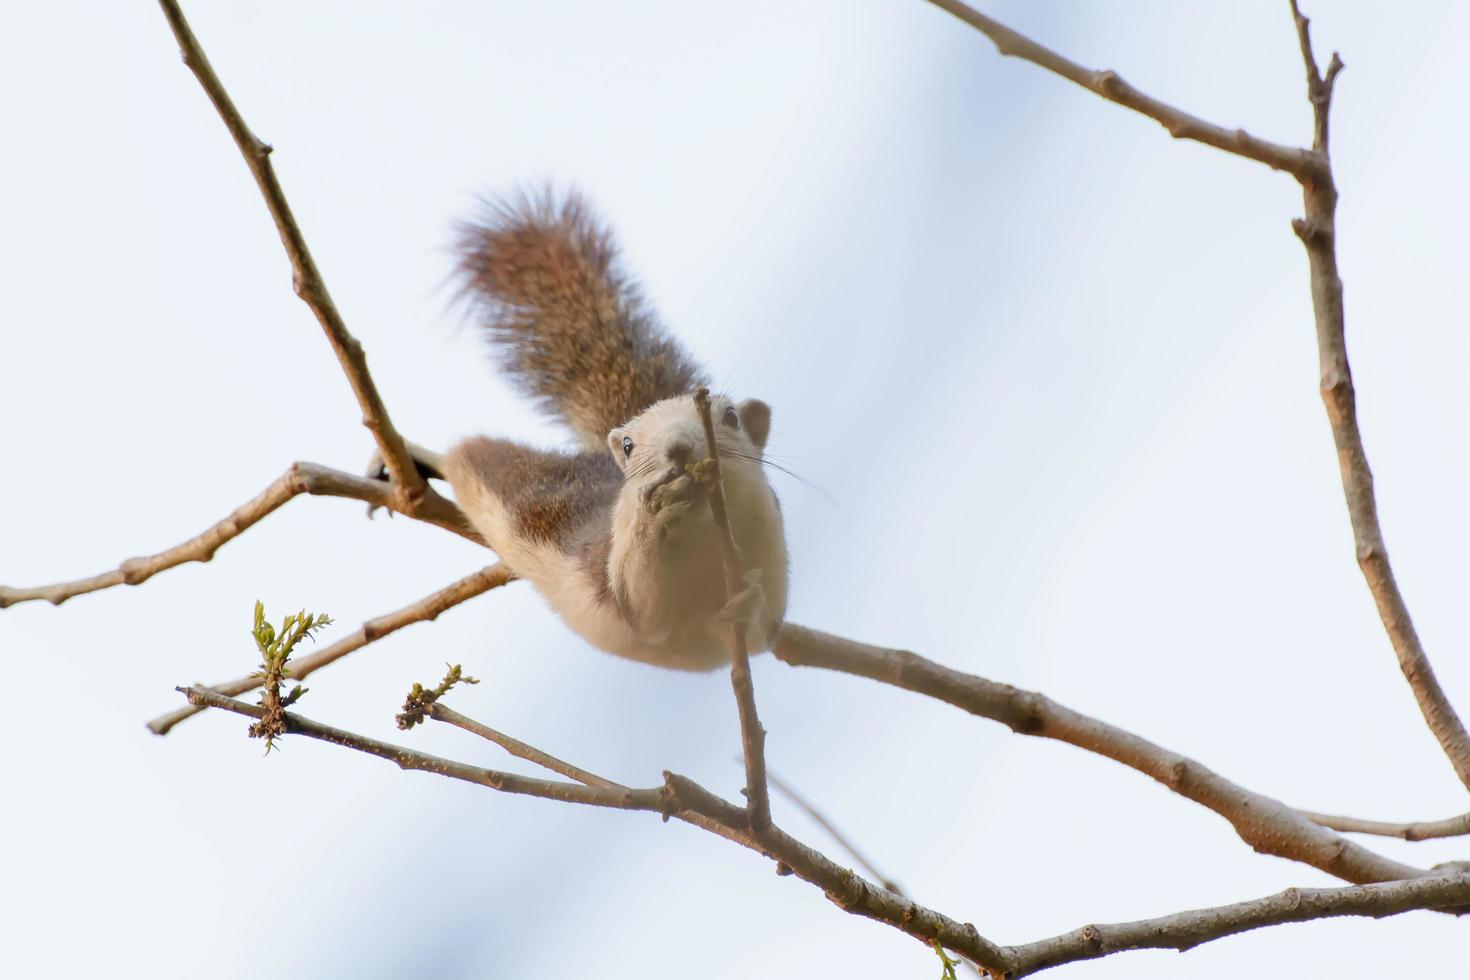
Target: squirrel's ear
755 416
615 446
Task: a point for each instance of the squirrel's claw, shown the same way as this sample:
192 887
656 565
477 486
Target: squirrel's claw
744 607
429 464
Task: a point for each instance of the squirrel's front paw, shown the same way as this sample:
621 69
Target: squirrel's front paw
670 504
744 607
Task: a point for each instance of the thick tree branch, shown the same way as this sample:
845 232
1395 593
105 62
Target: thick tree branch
1186 930
424 610
1416 830
408 486
1318 233
1267 825
1300 163
752 735
299 478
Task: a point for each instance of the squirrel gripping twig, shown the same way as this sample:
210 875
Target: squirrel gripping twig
617 536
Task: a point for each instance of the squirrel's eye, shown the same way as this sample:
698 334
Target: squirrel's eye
732 418
627 446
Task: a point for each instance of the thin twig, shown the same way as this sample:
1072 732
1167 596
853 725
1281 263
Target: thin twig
424 610
1181 125
752 735
1318 233
1186 930
842 840
517 748
408 486
1267 825
1413 831
620 798
299 478
442 712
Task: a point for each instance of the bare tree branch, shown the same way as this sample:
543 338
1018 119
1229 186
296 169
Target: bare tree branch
620 798
1318 233
517 748
441 712
1181 125
1186 930
752 735
408 487
679 797
1317 230
299 478
1267 825
1416 830
426 609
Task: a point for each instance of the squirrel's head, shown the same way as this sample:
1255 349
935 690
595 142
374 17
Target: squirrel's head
669 434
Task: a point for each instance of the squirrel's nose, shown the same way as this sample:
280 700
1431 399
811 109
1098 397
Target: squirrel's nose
680 451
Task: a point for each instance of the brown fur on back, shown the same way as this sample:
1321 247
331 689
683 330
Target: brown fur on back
560 498
573 330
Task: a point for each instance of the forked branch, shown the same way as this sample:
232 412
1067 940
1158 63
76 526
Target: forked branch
1317 229
1318 233
409 487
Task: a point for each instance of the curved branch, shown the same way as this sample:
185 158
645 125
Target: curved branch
1267 825
1318 233
1186 930
424 610
299 478
1300 163
409 486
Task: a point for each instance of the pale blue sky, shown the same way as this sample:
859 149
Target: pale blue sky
1056 371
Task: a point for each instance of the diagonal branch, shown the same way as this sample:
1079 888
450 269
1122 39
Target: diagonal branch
686 800
752 735
299 478
424 610
517 748
441 712
679 797
1267 825
409 486
1318 233
1186 930
1300 163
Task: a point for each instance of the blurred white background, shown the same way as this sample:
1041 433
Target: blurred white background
1056 370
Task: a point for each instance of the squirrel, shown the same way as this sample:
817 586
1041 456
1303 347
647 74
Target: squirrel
617 535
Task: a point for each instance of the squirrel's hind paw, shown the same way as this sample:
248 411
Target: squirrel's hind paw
744 607
429 464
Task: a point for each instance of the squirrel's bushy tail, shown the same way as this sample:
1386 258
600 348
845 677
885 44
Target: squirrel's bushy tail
571 328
